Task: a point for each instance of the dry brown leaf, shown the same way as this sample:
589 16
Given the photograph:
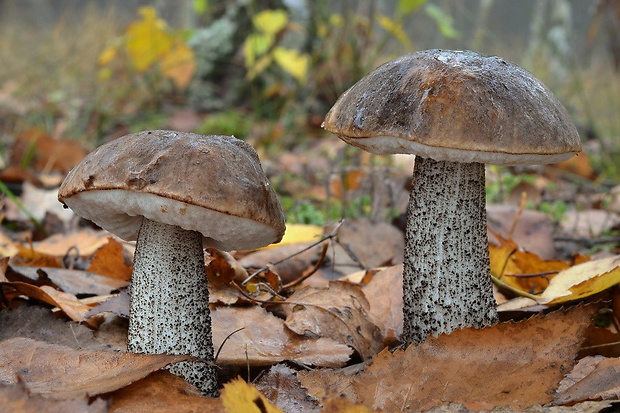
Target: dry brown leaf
62 372
71 281
343 405
265 340
87 242
28 256
49 153
282 387
108 260
533 231
339 312
15 399
593 378
511 364
222 269
68 303
289 269
384 293
162 392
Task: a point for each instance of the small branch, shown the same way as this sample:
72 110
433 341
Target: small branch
531 275
325 238
589 242
223 342
516 291
311 271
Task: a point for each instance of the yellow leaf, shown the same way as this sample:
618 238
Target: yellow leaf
270 22
293 62
147 39
582 280
255 45
239 396
258 67
108 54
179 64
394 29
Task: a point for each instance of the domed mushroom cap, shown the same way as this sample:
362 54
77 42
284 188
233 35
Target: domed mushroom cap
211 184
455 106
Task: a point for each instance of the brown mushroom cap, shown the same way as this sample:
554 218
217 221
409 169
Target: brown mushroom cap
211 184
455 106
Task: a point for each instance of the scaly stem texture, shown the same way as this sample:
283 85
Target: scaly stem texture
170 301
446 278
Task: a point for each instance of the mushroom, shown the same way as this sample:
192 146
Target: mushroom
175 193
456 111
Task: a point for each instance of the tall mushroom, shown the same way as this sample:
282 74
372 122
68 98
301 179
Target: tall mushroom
175 193
455 110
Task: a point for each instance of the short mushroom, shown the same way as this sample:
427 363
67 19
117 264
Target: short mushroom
455 110
175 193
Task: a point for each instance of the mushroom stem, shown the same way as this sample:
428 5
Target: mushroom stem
170 301
446 278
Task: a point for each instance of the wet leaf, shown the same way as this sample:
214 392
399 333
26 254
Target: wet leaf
582 280
62 372
384 293
339 312
510 364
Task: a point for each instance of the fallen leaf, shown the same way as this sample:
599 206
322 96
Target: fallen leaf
281 386
66 302
62 372
45 152
521 269
264 340
222 270
73 281
162 392
289 269
510 364
15 398
582 280
588 223
384 293
593 378
108 260
85 242
298 233
343 405
533 231
239 396
339 312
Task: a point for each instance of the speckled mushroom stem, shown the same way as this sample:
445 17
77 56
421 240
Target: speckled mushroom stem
446 278
170 301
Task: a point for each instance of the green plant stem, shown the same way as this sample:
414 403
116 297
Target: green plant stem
9 194
516 291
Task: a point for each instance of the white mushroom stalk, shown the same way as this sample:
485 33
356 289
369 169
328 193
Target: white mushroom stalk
170 301
446 278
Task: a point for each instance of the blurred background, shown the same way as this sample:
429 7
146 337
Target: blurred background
75 74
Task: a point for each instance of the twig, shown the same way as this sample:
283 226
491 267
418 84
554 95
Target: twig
266 267
531 275
589 242
311 271
515 221
517 291
225 340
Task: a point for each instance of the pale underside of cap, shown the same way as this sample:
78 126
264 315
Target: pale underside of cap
211 184
455 106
